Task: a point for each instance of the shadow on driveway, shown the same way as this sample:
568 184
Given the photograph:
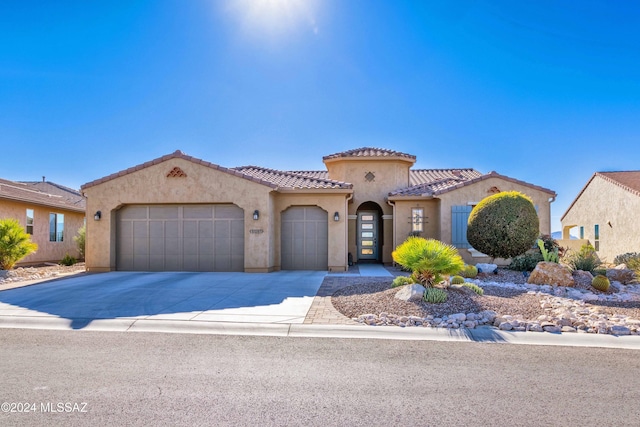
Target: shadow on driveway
180 295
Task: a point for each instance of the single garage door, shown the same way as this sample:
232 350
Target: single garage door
304 238
180 238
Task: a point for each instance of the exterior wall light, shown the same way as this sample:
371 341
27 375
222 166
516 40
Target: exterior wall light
336 216
256 214
97 216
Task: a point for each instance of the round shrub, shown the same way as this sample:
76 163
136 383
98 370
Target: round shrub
401 281
601 283
503 225
457 280
469 272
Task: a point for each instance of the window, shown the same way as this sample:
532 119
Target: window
56 227
29 228
581 232
417 215
596 237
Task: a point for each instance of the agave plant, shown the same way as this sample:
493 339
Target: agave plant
428 259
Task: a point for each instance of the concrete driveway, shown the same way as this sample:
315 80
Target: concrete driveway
280 297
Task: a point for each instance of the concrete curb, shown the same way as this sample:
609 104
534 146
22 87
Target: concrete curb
479 335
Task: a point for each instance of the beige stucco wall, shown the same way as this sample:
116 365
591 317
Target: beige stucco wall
329 202
47 251
431 226
390 175
202 184
473 193
603 202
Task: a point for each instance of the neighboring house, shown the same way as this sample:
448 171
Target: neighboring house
50 212
605 214
182 213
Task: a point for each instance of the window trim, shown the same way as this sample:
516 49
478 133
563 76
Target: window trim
417 220
56 233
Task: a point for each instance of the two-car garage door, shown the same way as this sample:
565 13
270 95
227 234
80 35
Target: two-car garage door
180 238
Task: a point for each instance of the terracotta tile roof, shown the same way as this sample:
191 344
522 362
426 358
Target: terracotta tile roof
292 180
56 196
425 176
629 180
312 174
369 152
177 155
446 184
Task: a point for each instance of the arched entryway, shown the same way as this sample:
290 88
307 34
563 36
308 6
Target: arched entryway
369 232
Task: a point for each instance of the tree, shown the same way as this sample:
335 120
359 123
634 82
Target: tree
15 243
428 259
503 225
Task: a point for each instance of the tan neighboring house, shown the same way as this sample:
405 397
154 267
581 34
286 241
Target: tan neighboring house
50 212
605 214
182 213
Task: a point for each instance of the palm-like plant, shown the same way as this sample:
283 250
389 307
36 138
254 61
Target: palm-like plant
15 243
428 259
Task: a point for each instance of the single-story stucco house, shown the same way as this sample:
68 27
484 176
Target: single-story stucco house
178 212
51 213
605 214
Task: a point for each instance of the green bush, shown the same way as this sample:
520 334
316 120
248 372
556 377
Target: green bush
68 260
401 281
526 261
503 225
601 283
475 288
631 259
457 280
469 272
434 296
428 259
80 240
15 243
586 259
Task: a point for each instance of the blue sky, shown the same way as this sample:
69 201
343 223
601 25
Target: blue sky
547 92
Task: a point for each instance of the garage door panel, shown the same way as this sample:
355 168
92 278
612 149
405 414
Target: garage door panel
304 243
180 237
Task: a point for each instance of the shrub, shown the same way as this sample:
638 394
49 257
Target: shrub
469 272
601 283
68 260
428 259
503 225
475 288
434 296
457 280
585 259
401 281
15 243
526 262
80 240
631 259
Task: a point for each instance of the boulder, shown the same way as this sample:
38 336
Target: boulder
486 268
622 275
550 273
411 292
583 279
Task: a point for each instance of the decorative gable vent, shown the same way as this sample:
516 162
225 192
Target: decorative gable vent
369 176
493 190
176 173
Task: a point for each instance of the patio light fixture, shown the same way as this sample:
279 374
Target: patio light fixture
256 214
336 216
97 216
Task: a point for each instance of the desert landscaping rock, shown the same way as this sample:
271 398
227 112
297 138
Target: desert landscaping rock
547 273
410 292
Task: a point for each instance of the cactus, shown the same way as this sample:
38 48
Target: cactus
457 280
469 272
475 288
401 281
601 283
434 296
548 256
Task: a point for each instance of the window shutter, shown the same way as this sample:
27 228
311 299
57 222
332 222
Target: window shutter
459 219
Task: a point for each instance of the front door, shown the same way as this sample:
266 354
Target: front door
367 235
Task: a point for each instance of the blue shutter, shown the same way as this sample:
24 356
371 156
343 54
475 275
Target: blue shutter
459 219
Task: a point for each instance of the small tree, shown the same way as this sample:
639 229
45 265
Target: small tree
503 225
428 259
15 243
80 240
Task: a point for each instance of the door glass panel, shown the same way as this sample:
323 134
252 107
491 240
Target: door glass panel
367 234
367 251
367 217
367 243
367 226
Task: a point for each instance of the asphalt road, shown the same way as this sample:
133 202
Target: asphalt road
110 378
